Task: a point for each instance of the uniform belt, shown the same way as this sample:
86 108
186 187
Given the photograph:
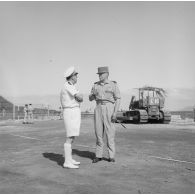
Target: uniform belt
102 102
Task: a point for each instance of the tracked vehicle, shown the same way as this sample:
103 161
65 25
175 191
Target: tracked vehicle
148 107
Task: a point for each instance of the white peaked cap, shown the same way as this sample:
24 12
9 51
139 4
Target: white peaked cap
70 71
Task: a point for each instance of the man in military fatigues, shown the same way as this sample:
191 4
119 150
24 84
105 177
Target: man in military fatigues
30 113
25 114
107 96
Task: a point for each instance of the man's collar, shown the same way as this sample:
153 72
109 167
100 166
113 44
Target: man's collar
107 82
103 83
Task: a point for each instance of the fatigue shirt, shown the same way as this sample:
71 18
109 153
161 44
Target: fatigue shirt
30 109
67 96
25 110
108 91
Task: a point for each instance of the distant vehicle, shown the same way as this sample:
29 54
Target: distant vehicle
147 108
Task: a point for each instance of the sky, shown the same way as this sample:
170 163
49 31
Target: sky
142 43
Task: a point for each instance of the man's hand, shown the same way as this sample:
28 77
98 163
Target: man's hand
113 118
91 97
117 104
79 97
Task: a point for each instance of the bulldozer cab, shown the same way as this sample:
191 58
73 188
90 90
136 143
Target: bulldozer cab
149 99
147 96
152 96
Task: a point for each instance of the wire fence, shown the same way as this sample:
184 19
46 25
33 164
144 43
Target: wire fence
39 112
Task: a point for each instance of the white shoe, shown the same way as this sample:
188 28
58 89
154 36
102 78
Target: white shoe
74 162
70 166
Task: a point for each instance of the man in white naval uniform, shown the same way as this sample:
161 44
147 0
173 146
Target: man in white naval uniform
70 101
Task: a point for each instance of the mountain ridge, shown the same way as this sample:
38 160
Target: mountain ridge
177 99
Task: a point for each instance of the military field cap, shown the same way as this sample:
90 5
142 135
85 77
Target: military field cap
103 69
70 72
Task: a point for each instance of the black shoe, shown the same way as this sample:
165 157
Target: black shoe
95 160
111 160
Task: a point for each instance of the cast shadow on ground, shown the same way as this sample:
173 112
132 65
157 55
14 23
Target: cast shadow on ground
59 158
84 154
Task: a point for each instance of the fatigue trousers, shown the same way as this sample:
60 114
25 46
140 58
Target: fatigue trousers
103 124
25 117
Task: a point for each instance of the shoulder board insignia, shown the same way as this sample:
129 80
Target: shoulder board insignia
96 82
114 82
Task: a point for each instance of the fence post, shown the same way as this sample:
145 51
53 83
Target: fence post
194 114
48 111
13 111
18 113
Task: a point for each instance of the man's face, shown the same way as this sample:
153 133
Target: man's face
103 76
74 77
